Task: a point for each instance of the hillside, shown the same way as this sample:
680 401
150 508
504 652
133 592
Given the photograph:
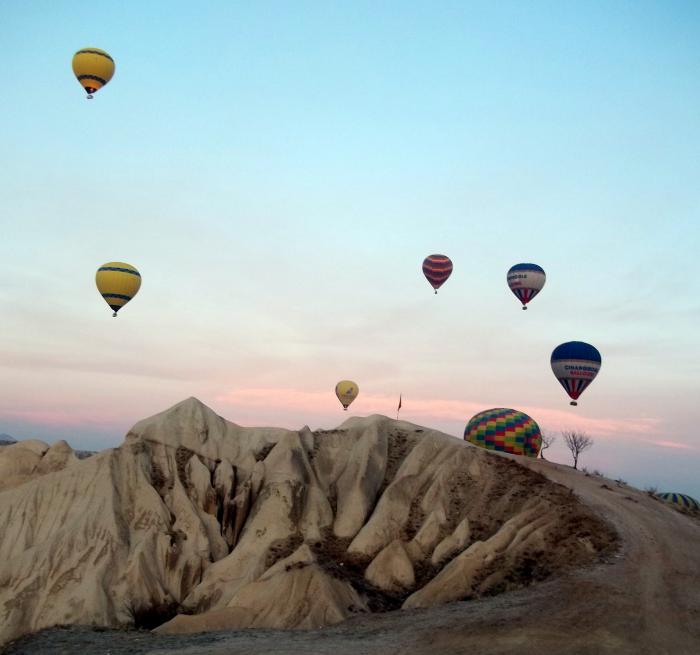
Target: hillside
195 523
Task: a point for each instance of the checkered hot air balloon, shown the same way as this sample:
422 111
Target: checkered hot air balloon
505 430
437 268
575 364
526 281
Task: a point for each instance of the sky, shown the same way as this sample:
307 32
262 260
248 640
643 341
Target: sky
277 172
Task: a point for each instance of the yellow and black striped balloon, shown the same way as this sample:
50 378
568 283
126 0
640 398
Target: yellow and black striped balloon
93 68
118 283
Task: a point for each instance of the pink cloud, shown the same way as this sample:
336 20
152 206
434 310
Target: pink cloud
564 420
672 444
315 404
320 402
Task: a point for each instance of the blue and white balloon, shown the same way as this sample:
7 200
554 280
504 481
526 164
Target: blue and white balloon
526 281
575 365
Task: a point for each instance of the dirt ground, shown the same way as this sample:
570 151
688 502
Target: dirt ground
643 600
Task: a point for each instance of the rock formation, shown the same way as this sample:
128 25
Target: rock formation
196 523
25 460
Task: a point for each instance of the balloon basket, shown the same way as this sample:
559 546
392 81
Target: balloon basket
524 308
574 403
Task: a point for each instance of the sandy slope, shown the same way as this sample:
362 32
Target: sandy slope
645 601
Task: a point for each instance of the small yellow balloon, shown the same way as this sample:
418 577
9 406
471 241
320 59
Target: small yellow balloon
118 283
347 391
93 68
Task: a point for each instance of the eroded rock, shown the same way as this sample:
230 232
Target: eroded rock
245 527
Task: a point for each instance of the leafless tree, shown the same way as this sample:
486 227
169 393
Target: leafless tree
576 442
547 440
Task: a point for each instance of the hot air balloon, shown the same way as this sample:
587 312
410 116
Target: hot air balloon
347 391
680 500
437 268
118 283
575 365
505 430
93 68
526 281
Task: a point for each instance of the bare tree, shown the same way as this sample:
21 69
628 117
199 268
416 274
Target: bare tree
547 440
576 442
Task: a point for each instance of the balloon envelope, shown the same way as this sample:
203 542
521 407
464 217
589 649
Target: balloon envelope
505 430
118 283
575 364
526 281
680 500
437 268
347 391
93 68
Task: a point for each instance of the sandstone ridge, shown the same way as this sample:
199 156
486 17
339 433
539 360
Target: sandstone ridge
195 523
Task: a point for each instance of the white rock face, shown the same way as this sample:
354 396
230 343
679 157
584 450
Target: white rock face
232 527
25 460
296 592
392 569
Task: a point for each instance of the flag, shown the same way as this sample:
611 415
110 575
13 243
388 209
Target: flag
398 409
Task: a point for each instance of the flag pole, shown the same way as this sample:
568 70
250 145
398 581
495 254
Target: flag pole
398 409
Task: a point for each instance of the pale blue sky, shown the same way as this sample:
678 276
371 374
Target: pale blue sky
278 171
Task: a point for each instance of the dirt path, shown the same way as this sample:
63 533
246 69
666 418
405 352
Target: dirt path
646 600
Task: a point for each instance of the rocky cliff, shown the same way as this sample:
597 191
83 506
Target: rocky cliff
196 523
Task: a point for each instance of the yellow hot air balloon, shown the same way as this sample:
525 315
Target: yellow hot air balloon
93 68
118 283
347 391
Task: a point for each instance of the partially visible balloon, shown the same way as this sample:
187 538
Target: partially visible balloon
680 500
505 430
526 281
437 268
93 68
575 364
347 391
118 283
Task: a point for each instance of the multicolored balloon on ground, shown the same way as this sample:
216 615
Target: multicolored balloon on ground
526 281
93 68
680 500
575 364
347 391
118 283
437 268
505 430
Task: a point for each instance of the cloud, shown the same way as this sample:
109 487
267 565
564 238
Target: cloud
319 402
672 444
315 403
117 363
605 426
63 418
